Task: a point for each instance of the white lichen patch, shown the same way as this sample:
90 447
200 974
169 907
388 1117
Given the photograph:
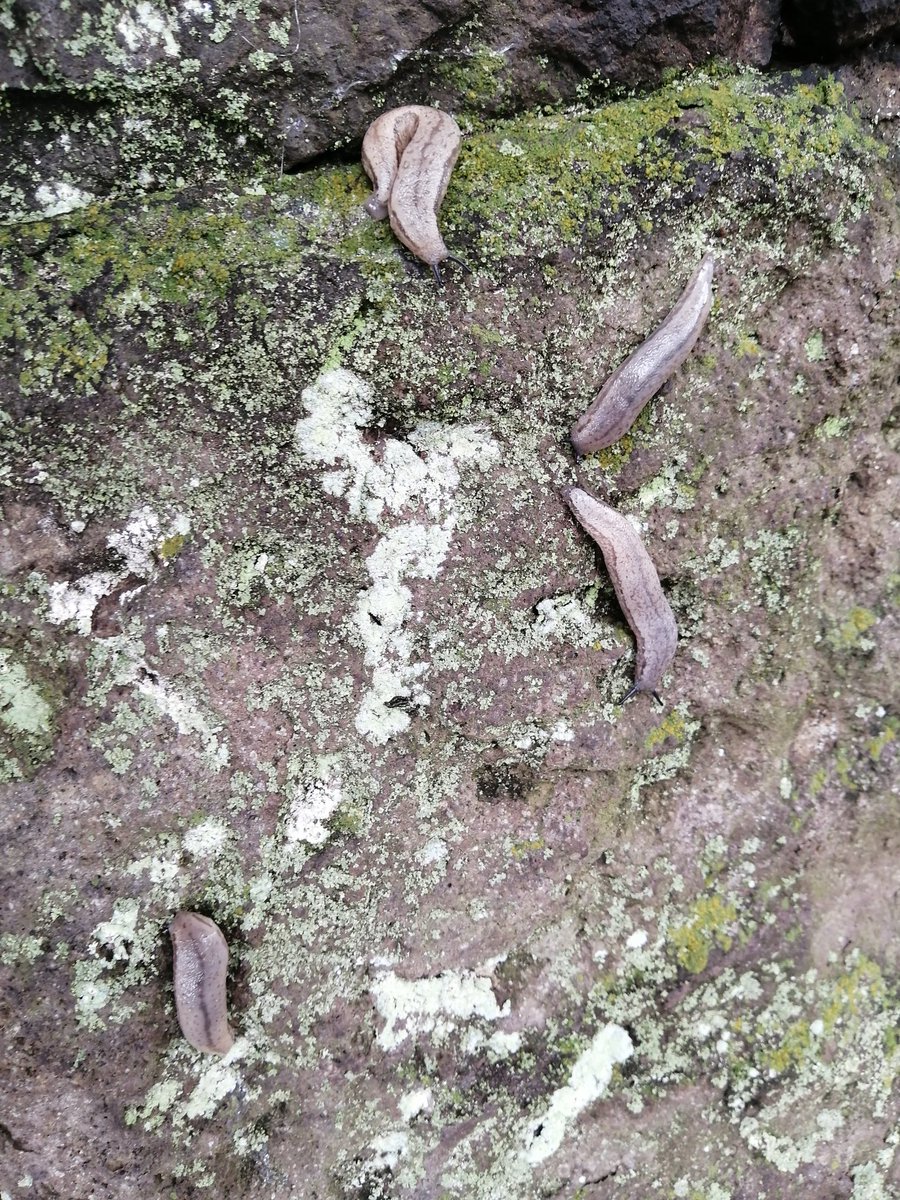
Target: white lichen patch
569 618
159 1100
76 600
668 489
388 1149
198 9
160 870
498 1045
788 1153
419 475
217 1078
206 840
143 535
415 1102
311 806
186 713
432 1007
117 934
146 28
216 1081
590 1077
25 949
117 959
54 199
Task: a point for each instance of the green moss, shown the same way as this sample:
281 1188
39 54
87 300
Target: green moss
476 76
536 181
530 184
878 744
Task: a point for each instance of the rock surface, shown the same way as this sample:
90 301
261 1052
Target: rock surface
302 80
299 634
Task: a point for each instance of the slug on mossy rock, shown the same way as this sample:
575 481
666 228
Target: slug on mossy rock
409 153
616 406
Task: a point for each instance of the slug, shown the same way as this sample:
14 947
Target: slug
408 153
637 587
201 964
613 410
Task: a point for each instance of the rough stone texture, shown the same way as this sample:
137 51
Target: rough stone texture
138 94
303 79
298 633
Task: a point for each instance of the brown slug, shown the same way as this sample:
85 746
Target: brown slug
613 410
409 153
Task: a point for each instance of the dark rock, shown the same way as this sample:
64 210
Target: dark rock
305 79
827 27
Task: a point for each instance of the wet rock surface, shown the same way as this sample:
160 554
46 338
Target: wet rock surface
299 634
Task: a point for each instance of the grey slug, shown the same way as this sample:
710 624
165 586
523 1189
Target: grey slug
408 153
613 410
201 965
637 587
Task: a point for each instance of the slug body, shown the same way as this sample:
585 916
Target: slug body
409 153
613 410
201 965
637 587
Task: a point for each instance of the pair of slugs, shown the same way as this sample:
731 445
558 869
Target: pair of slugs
611 414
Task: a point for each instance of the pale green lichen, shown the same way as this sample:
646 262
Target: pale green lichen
814 346
27 720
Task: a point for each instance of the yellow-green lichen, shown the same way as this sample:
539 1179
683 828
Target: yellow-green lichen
850 634
712 923
833 427
172 546
673 726
879 743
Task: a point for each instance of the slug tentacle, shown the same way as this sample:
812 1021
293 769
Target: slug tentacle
409 153
637 587
614 409
200 955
